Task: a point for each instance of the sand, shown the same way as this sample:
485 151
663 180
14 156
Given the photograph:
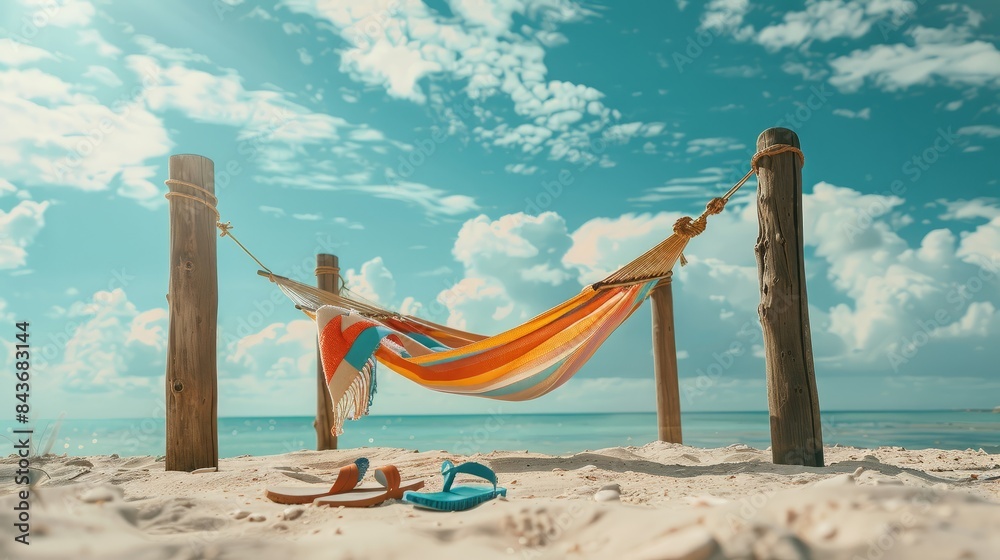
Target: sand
675 502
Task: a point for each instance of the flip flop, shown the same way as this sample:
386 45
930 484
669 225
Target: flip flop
347 481
392 489
458 498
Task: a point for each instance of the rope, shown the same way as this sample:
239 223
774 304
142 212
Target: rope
775 150
210 203
170 195
692 227
327 270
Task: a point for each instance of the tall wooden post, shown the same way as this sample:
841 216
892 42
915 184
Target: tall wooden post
327 274
193 300
796 432
668 398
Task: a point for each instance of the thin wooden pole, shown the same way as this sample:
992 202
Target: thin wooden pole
327 275
668 398
193 300
793 401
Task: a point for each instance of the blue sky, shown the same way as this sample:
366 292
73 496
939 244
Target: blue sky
477 162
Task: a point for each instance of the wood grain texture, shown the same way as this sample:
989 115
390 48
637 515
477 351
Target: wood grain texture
796 432
193 300
324 403
668 398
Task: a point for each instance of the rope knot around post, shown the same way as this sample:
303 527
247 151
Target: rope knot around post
773 151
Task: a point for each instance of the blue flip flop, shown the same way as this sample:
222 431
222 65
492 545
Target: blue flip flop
458 498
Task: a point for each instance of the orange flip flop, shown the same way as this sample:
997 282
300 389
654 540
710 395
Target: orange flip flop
347 481
392 489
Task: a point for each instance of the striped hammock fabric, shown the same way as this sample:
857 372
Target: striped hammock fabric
523 363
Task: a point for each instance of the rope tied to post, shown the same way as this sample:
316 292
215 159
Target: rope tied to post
689 227
211 202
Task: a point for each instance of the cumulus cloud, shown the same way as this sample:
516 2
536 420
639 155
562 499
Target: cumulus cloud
18 228
113 346
945 55
372 281
278 351
402 46
57 135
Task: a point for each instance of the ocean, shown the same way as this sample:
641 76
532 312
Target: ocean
545 433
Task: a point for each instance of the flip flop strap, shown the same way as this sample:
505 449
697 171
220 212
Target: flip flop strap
349 476
449 471
388 476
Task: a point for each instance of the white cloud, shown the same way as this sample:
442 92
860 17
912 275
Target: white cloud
400 46
304 56
863 114
712 146
211 98
984 130
18 229
825 20
13 53
93 37
899 293
512 270
116 346
520 169
373 282
58 13
59 136
104 75
278 351
936 56
726 16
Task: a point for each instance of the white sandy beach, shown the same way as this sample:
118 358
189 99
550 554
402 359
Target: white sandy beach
676 502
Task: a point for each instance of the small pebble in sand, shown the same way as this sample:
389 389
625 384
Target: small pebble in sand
825 531
706 500
102 494
292 513
609 493
239 513
256 517
557 469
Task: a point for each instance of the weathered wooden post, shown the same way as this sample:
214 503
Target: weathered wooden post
668 399
327 276
193 301
796 432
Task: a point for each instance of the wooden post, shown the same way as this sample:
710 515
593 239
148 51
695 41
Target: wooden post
193 300
668 398
796 432
327 275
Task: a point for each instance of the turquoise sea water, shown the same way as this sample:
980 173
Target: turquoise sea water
545 433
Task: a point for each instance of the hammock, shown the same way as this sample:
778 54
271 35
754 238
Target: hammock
522 363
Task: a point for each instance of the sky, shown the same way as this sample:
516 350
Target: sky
477 162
